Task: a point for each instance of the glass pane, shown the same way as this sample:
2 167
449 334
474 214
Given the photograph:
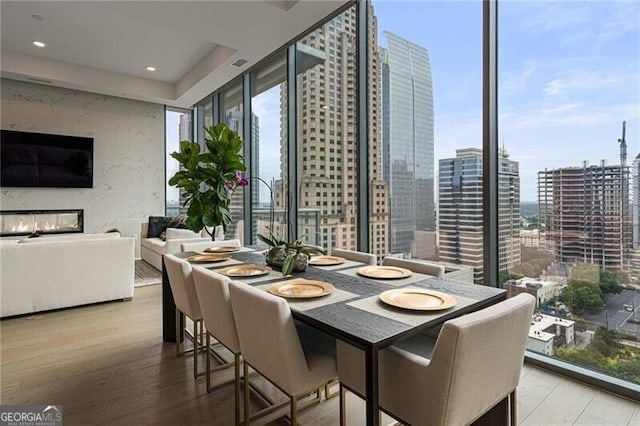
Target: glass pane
204 118
327 154
568 82
428 106
231 106
269 144
178 128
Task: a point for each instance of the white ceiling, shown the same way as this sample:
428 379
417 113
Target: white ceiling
104 46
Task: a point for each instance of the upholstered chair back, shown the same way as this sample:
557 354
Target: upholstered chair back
268 338
356 256
181 282
415 266
215 305
476 362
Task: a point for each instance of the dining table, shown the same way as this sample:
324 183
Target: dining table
353 311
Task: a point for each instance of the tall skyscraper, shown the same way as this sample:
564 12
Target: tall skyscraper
583 216
327 139
407 140
460 211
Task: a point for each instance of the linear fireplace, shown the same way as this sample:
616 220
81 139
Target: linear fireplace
36 222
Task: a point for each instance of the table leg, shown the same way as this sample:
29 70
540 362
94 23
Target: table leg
371 378
168 310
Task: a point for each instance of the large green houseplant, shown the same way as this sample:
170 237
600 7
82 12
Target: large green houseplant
208 179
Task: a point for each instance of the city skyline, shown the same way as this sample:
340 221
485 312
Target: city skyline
570 88
570 98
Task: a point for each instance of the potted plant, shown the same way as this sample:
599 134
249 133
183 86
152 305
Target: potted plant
208 179
290 256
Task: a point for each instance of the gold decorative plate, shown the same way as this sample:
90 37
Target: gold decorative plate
418 299
208 257
300 288
384 272
222 249
245 270
326 260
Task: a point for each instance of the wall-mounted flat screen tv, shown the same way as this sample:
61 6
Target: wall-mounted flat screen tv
42 160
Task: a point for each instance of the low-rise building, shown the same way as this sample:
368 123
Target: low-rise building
548 332
542 290
530 237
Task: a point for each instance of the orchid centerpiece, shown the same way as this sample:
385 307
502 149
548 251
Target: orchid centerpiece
288 256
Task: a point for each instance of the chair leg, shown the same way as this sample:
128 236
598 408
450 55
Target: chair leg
343 408
178 333
196 346
247 417
513 405
208 373
237 387
294 411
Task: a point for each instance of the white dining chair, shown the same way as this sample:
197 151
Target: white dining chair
270 345
202 245
186 301
474 364
427 268
215 304
356 256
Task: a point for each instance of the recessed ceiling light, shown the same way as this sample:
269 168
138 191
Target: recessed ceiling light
150 68
38 43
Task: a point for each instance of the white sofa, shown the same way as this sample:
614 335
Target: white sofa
152 249
51 272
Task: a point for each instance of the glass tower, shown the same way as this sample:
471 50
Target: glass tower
407 141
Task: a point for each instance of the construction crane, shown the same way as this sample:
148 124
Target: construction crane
623 146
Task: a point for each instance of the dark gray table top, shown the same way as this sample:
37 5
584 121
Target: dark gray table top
349 318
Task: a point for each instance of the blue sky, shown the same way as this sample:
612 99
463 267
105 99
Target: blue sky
569 74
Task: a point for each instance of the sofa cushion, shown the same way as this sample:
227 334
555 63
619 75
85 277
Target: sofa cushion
154 244
158 224
177 234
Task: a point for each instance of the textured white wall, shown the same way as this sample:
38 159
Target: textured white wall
128 173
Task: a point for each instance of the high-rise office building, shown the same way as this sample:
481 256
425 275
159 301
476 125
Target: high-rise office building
327 139
584 216
460 211
407 141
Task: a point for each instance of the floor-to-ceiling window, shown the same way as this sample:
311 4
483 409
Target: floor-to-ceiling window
204 117
178 127
568 89
326 134
426 112
425 152
269 179
232 113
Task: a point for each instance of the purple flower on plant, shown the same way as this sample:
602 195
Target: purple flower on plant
241 179
238 180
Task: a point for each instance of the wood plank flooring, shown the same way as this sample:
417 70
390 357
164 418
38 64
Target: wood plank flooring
107 364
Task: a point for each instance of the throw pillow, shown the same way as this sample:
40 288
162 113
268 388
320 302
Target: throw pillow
179 221
157 225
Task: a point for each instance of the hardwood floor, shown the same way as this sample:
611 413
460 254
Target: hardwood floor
107 364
